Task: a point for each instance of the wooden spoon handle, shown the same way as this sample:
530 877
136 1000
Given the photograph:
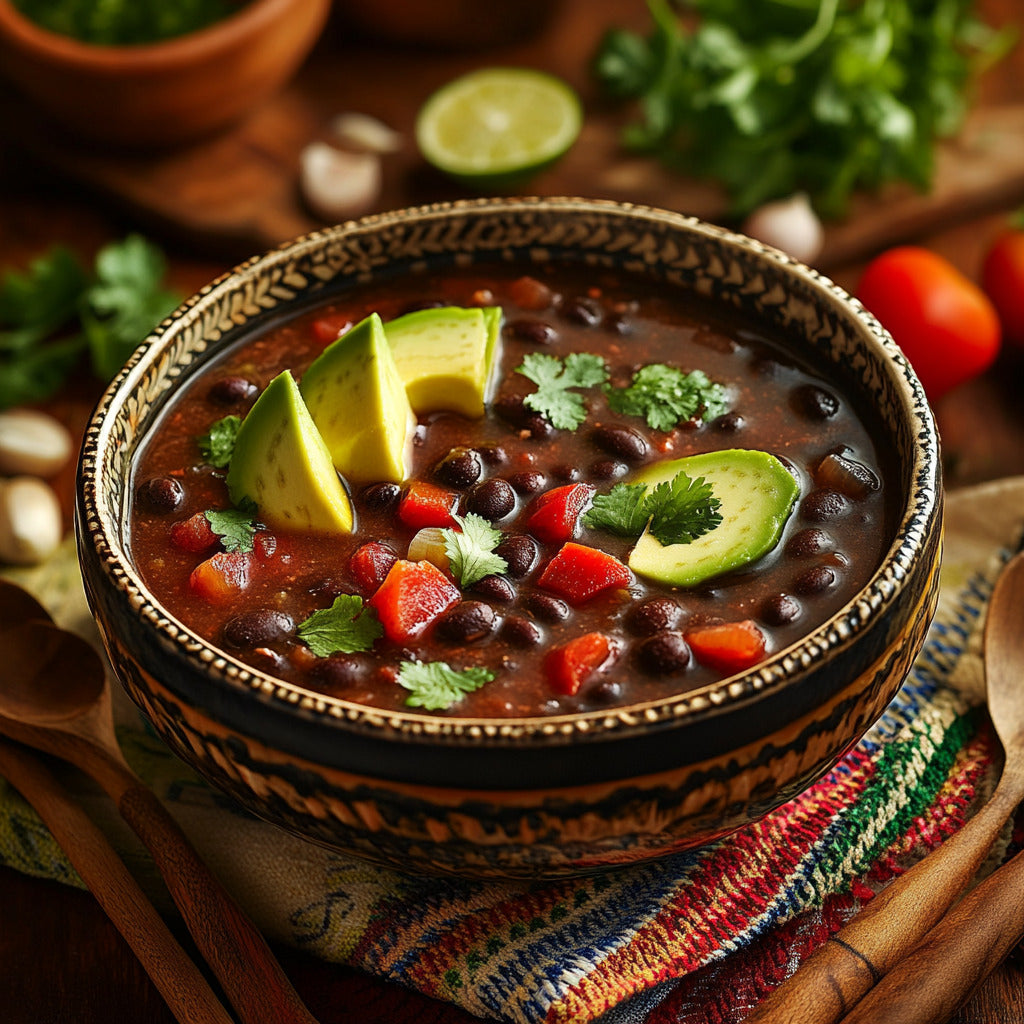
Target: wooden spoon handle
176 977
959 953
250 975
855 959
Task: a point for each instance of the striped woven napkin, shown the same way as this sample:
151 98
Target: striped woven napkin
691 939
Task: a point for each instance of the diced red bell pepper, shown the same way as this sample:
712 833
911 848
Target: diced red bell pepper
412 595
221 577
370 564
330 327
554 514
728 646
570 665
194 534
425 504
578 573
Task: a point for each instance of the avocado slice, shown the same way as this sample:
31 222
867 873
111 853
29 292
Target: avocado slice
282 464
757 493
358 402
445 356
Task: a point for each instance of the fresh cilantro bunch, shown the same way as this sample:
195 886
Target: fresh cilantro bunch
436 686
665 396
55 311
553 399
676 511
346 627
773 97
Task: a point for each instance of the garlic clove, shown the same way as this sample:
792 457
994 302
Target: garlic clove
364 133
790 225
32 442
31 524
337 184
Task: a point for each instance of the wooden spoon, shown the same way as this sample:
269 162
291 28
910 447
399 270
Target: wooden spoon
54 696
854 960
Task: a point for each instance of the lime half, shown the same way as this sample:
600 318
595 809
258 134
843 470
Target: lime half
498 126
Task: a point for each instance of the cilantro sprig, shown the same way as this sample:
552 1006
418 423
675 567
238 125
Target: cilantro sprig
236 527
346 627
56 311
217 445
436 686
676 511
665 396
470 549
554 377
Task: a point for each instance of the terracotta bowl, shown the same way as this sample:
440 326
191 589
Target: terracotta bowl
520 797
167 93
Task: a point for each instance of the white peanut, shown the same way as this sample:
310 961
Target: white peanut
32 442
31 525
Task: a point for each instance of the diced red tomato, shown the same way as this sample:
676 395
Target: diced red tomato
425 504
578 573
194 534
729 646
554 513
370 564
412 595
221 577
329 328
569 666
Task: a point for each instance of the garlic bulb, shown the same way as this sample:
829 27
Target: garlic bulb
337 184
364 133
790 225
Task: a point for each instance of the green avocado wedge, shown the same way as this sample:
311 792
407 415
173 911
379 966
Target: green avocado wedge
757 493
358 402
445 356
282 464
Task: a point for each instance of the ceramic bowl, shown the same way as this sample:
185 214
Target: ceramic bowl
521 797
166 93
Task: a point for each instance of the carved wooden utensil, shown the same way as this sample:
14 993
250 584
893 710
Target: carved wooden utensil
54 696
856 959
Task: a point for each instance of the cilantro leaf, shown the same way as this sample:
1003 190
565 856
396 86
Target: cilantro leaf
565 409
682 509
621 511
471 550
236 527
665 396
217 445
436 686
36 303
346 626
676 511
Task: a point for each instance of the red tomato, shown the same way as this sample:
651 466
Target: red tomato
944 323
1002 277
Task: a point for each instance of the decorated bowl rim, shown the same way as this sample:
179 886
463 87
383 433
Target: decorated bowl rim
97 520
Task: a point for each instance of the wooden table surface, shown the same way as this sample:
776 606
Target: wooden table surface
60 960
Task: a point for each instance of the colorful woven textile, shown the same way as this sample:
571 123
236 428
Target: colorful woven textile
692 939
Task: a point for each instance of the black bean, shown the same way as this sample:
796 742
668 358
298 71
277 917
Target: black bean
521 632
653 616
546 607
813 402
815 580
378 497
512 408
622 442
466 622
608 691
619 323
537 426
161 495
565 471
781 609
607 469
493 454
520 553
232 391
729 423
495 588
808 542
460 467
257 627
536 332
493 499
529 482
582 310
823 504
664 653
338 671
